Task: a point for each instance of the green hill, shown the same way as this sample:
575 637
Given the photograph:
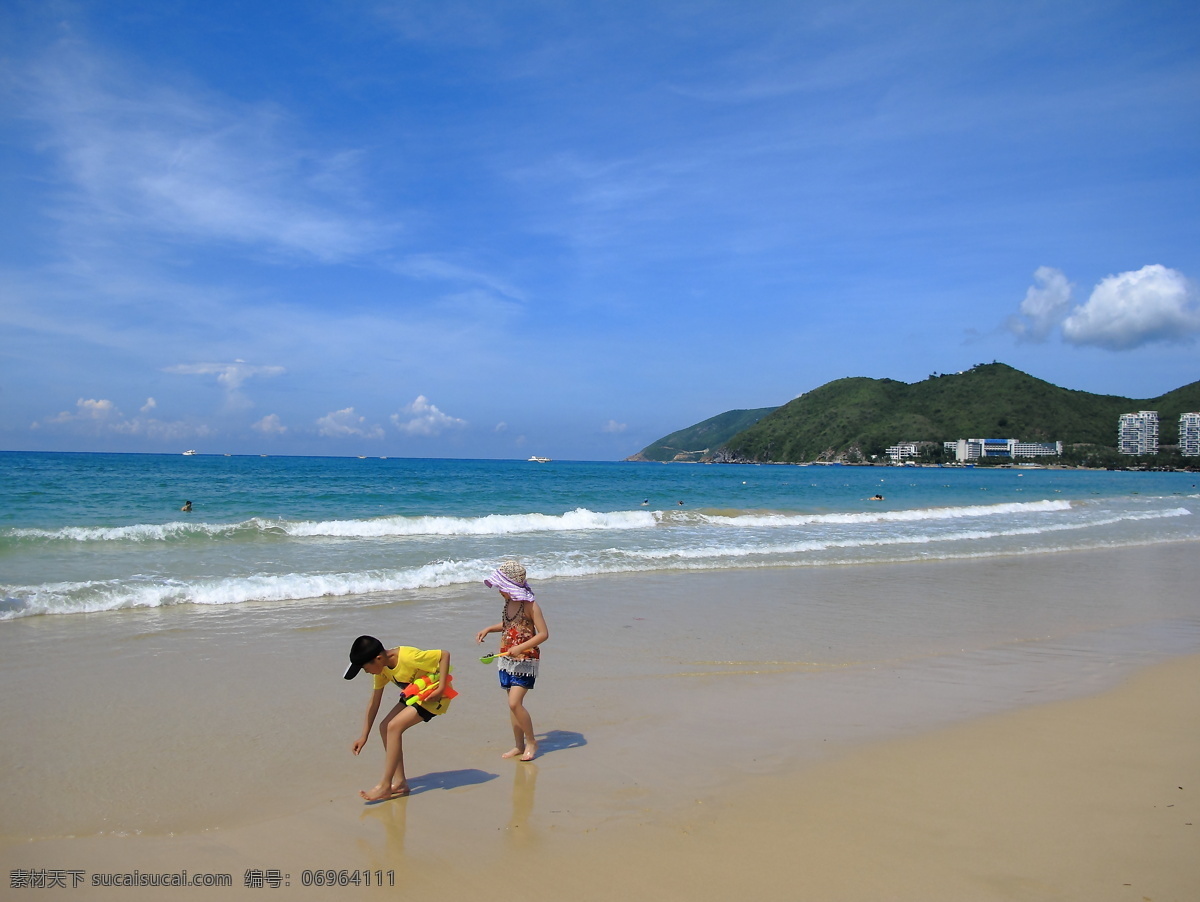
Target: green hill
703 439
860 417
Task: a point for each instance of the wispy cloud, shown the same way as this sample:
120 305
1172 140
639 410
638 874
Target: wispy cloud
614 427
145 156
230 376
434 268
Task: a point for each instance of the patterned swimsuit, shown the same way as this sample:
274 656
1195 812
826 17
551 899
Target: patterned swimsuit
517 629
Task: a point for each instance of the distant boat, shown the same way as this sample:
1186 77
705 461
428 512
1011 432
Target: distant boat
190 452
539 460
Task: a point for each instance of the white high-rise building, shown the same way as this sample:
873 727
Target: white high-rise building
1137 433
1189 434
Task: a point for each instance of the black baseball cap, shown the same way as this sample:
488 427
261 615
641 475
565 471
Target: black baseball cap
364 650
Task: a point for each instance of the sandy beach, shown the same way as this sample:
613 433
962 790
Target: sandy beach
734 736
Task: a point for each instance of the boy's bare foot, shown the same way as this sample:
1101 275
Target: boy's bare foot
530 751
512 753
381 793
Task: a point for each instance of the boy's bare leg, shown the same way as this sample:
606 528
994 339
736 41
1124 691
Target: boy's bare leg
522 726
393 784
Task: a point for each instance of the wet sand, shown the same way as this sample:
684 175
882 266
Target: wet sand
1042 754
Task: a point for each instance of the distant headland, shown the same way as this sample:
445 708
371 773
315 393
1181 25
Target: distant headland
856 420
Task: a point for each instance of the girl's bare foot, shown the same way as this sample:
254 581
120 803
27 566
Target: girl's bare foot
383 792
530 751
399 789
512 753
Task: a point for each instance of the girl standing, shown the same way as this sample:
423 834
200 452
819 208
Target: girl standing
523 629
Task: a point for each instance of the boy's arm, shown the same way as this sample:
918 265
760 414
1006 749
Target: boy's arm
443 673
372 710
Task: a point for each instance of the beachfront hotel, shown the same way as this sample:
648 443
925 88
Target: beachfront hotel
968 449
1189 434
901 450
1137 433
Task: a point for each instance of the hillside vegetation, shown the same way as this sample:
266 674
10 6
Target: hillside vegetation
703 439
859 417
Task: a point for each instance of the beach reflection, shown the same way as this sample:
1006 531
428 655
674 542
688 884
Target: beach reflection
520 824
389 854
392 814
520 829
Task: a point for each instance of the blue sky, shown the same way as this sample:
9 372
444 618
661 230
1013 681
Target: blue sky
500 229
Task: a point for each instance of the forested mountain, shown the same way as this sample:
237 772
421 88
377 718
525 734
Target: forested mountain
856 418
702 439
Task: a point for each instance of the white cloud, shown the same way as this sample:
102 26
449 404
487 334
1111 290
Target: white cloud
149 405
1045 305
96 416
345 422
423 418
1135 308
502 426
614 426
90 409
270 425
87 410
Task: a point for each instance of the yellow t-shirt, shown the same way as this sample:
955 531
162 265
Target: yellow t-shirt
410 664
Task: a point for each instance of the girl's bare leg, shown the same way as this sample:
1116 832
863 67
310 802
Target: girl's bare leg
393 784
522 726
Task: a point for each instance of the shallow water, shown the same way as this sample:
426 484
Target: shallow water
99 532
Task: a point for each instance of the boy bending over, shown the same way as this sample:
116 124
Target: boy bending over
401 666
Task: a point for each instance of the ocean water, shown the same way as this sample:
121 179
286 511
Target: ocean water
88 533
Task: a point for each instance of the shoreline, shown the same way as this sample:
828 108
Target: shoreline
737 691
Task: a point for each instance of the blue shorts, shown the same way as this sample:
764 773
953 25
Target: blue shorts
515 679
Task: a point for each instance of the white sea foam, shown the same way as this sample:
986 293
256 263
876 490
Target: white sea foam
580 519
691 553
92 597
381 527
901 516
727 551
492 525
138 532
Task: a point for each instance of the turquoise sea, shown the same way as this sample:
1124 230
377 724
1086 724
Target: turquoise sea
103 532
